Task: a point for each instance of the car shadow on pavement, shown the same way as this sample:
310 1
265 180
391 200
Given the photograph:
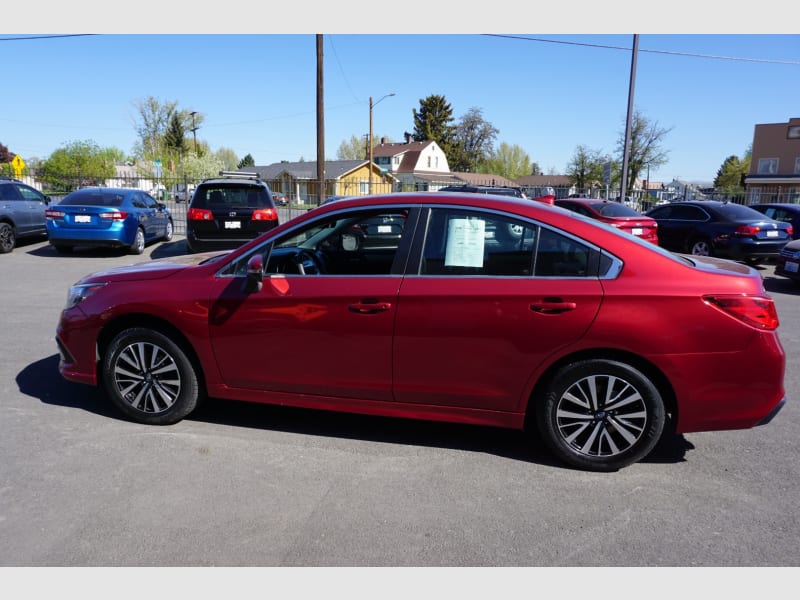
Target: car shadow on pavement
41 380
167 249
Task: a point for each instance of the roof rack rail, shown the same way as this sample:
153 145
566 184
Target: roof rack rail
240 174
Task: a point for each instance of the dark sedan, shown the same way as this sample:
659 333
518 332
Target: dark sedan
721 229
790 213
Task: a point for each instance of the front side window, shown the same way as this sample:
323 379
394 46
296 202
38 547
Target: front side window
30 194
363 242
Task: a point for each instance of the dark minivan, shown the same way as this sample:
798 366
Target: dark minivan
229 210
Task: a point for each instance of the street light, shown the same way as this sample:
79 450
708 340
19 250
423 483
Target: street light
371 104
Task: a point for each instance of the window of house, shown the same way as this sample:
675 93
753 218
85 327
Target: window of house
797 165
767 166
429 162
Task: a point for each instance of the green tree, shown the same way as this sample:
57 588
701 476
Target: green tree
352 149
434 121
155 118
507 160
730 176
195 168
80 163
473 141
585 168
228 158
175 136
247 161
645 149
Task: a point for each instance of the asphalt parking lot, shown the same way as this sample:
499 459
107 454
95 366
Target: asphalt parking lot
251 485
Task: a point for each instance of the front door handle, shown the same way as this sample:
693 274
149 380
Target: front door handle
368 307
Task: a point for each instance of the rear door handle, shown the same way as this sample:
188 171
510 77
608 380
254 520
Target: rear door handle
367 307
552 306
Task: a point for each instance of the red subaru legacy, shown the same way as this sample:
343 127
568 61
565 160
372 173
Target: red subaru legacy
446 306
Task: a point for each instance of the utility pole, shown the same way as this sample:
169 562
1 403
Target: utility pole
371 104
320 124
194 131
626 149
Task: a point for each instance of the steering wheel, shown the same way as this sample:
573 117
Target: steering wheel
307 263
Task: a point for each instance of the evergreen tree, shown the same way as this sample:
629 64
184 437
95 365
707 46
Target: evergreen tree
434 121
247 161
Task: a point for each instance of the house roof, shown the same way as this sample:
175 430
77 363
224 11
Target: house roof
551 180
483 179
395 148
334 169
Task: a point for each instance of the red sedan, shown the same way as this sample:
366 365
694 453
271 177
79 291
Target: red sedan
444 306
615 214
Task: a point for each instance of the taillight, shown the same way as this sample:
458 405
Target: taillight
199 214
747 230
117 215
51 213
790 231
264 214
756 311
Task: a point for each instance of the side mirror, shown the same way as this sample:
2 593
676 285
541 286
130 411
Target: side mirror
255 273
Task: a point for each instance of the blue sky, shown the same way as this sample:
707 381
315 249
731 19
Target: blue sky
547 93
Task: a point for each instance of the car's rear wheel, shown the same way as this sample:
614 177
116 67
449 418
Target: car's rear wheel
8 239
149 377
137 247
700 247
170 231
601 415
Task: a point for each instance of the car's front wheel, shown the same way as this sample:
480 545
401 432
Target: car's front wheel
8 238
149 377
601 415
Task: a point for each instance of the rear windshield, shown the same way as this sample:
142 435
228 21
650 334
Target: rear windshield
615 209
230 196
93 198
737 211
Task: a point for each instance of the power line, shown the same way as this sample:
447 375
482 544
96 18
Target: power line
670 52
44 37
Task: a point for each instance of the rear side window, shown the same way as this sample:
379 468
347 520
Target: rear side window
231 196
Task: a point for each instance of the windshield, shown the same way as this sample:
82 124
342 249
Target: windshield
615 209
228 196
93 198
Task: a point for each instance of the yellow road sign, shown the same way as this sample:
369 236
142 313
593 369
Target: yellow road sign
18 164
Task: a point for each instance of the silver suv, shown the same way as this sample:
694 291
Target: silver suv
21 213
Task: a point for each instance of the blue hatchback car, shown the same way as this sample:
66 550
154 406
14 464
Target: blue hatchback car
110 217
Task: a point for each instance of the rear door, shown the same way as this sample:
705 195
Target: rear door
487 309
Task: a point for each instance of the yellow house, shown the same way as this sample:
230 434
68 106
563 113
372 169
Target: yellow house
299 181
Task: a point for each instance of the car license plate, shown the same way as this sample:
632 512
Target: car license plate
83 219
772 234
638 231
791 267
233 225
384 229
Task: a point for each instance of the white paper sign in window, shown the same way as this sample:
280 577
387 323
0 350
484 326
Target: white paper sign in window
465 241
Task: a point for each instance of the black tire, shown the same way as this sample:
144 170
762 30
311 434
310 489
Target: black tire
8 238
753 262
149 377
701 247
170 231
137 247
601 415
62 249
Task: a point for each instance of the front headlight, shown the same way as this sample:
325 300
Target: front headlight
79 292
